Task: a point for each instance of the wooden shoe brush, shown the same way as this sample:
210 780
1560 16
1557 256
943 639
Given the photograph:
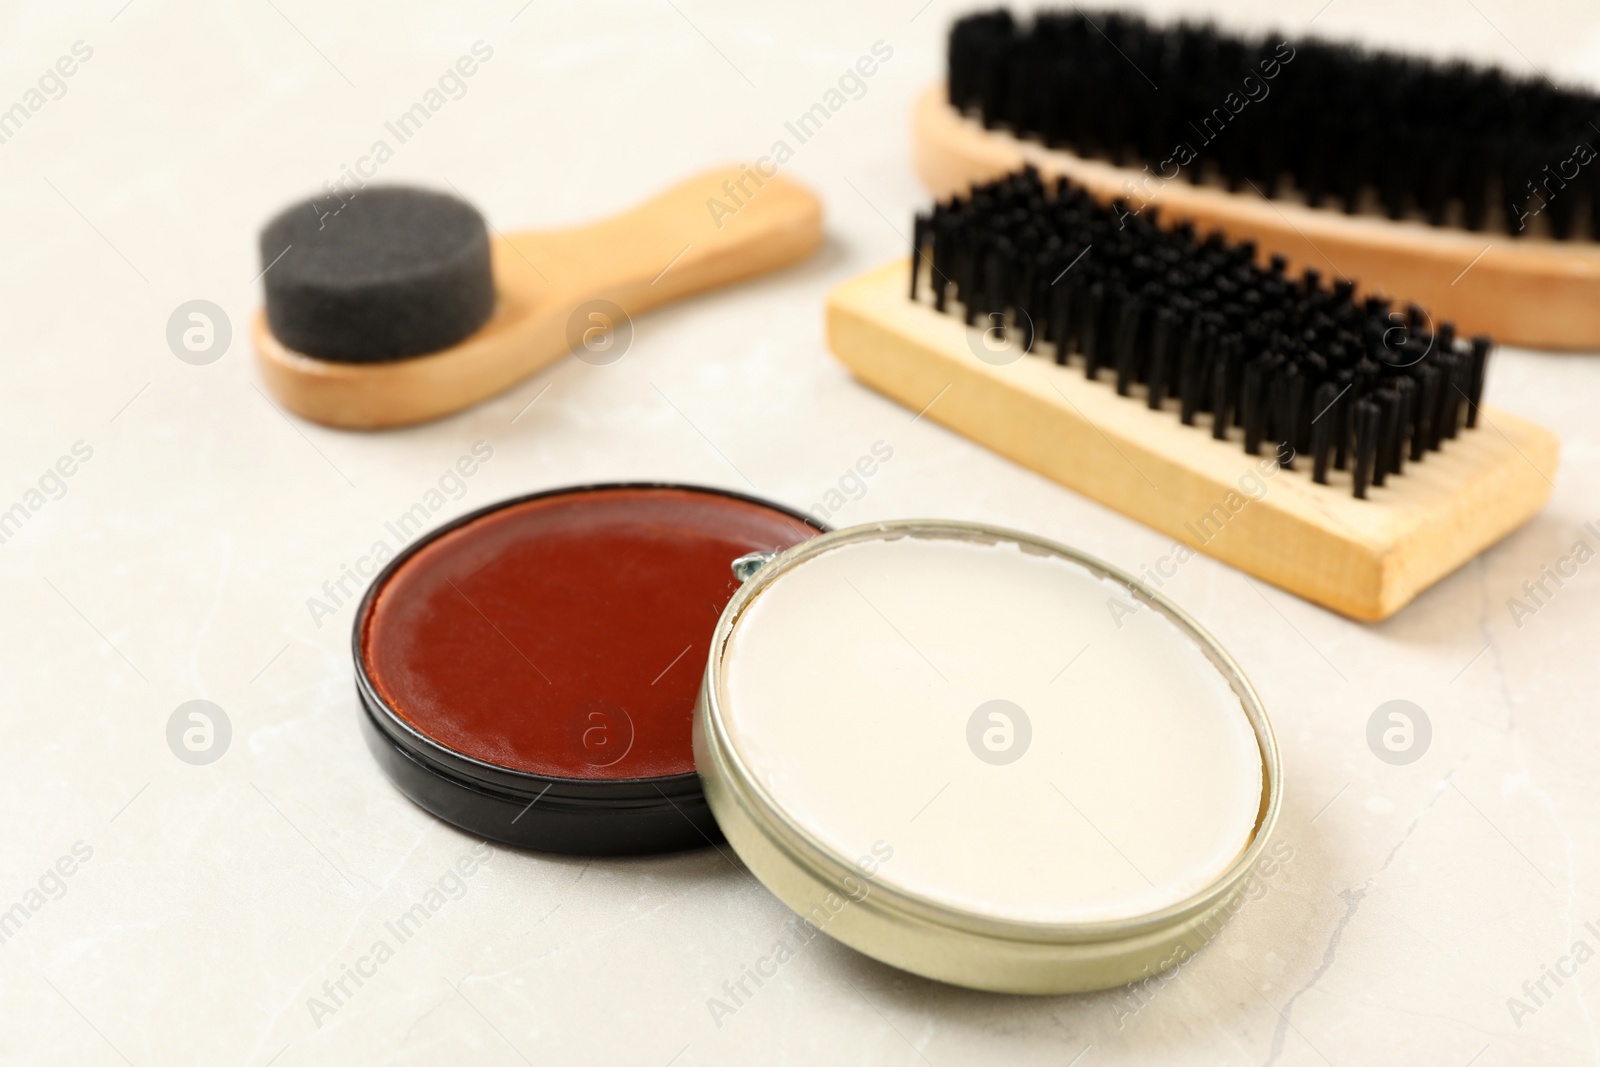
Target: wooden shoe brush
1331 445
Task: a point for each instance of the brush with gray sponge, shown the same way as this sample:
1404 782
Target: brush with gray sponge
403 306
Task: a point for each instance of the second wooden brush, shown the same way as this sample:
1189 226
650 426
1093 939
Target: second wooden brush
1334 448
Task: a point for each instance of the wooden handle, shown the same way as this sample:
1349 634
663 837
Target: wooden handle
1362 558
716 228
1520 290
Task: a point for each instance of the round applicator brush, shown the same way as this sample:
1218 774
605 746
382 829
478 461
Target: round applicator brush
402 306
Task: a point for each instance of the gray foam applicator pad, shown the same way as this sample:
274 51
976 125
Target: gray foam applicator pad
396 272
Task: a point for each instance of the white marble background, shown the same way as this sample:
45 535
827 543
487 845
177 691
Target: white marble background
217 899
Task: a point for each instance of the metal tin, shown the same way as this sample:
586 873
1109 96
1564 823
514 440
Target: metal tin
931 938
591 817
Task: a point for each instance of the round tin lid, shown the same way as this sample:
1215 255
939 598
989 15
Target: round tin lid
984 757
528 671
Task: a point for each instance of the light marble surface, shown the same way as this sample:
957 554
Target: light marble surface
216 900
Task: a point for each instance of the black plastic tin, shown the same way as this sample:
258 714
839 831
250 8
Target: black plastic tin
579 816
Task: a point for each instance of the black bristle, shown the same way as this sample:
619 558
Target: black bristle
1456 370
1304 367
1388 417
1288 414
1061 322
1367 419
1343 429
1431 140
1252 406
1441 407
1093 309
1427 403
1161 334
1125 353
1191 374
1322 431
1406 390
1221 398
1480 355
919 237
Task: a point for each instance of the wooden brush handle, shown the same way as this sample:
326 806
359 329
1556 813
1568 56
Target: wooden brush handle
718 227
695 236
